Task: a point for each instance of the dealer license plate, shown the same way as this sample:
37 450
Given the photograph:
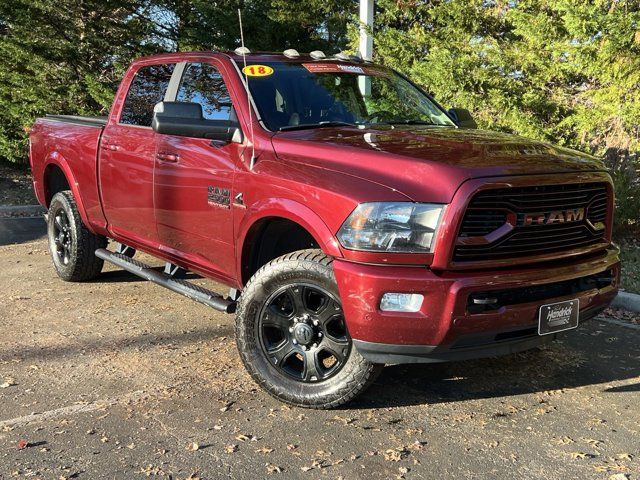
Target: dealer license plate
556 317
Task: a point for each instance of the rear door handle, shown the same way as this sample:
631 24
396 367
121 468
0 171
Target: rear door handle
168 157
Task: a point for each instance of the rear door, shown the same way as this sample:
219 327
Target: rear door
193 181
127 157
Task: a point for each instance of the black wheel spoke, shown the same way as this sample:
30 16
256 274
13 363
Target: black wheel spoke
330 311
312 369
279 354
274 318
296 294
336 346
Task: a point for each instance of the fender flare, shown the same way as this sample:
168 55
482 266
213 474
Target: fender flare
290 210
59 161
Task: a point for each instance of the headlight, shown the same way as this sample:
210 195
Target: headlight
401 227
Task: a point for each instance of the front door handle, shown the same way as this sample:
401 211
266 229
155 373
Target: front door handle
168 157
110 146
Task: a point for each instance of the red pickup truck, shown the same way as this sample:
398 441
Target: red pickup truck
356 222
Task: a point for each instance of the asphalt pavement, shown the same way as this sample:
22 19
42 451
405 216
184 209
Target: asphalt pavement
120 379
22 229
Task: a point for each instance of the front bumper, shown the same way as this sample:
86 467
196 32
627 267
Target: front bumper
445 328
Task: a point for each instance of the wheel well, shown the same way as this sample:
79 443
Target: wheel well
271 238
54 181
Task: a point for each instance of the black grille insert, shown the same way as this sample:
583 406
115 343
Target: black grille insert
580 212
494 300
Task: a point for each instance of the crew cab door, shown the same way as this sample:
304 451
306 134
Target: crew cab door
127 156
193 178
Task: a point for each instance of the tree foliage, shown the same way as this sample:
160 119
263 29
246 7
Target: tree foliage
567 71
67 56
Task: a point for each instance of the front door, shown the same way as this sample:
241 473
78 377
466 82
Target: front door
127 157
193 180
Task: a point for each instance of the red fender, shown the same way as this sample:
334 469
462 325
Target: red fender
291 210
56 159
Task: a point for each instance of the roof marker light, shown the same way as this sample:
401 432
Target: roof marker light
317 54
291 53
346 57
242 51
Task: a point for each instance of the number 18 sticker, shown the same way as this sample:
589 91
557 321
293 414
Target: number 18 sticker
257 70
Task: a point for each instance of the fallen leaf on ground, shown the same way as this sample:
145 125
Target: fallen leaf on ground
264 450
273 468
395 454
624 456
231 448
581 455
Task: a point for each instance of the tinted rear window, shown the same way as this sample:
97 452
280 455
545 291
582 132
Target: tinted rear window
147 88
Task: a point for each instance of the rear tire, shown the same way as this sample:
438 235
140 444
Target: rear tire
292 337
71 244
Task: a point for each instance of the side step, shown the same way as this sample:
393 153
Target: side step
188 289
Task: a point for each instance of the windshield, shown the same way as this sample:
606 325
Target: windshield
300 95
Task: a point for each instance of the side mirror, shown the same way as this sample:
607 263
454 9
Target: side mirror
185 120
462 117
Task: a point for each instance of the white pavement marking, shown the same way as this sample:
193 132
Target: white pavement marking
71 410
620 323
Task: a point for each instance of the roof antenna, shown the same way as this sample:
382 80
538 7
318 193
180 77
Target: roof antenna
246 85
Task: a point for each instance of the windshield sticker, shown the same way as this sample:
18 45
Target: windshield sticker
340 68
257 70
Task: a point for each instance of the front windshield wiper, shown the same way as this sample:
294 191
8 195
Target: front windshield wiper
418 122
328 123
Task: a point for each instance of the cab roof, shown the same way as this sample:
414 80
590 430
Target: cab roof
250 57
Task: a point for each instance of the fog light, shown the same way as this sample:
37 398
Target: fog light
401 302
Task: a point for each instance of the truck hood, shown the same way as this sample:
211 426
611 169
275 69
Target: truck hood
426 163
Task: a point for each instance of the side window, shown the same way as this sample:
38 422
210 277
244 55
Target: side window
147 88
202 83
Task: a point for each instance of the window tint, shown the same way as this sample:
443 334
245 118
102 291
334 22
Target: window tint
147 88
202 83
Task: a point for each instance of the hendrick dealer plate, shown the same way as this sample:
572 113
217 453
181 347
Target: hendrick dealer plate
556 317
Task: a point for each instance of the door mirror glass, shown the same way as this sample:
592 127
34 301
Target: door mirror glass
185 119
462 117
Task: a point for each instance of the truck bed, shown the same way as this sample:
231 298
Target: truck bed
79 120
69 144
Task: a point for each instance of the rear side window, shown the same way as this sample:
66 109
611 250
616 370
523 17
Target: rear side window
202 83
147 88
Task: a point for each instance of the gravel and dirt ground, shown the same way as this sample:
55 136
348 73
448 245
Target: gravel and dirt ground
120 379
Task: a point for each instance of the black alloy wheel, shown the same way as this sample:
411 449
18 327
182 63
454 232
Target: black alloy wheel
62 236
303 333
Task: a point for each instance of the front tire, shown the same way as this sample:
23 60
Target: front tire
71 244
292 337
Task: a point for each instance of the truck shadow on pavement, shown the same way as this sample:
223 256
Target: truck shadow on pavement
108 344
599 354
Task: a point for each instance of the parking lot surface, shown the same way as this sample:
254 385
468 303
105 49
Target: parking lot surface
118 378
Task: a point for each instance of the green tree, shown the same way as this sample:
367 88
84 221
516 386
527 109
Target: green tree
62 56
67 56
566 71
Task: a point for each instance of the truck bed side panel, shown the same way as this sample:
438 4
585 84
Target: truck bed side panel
72 147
